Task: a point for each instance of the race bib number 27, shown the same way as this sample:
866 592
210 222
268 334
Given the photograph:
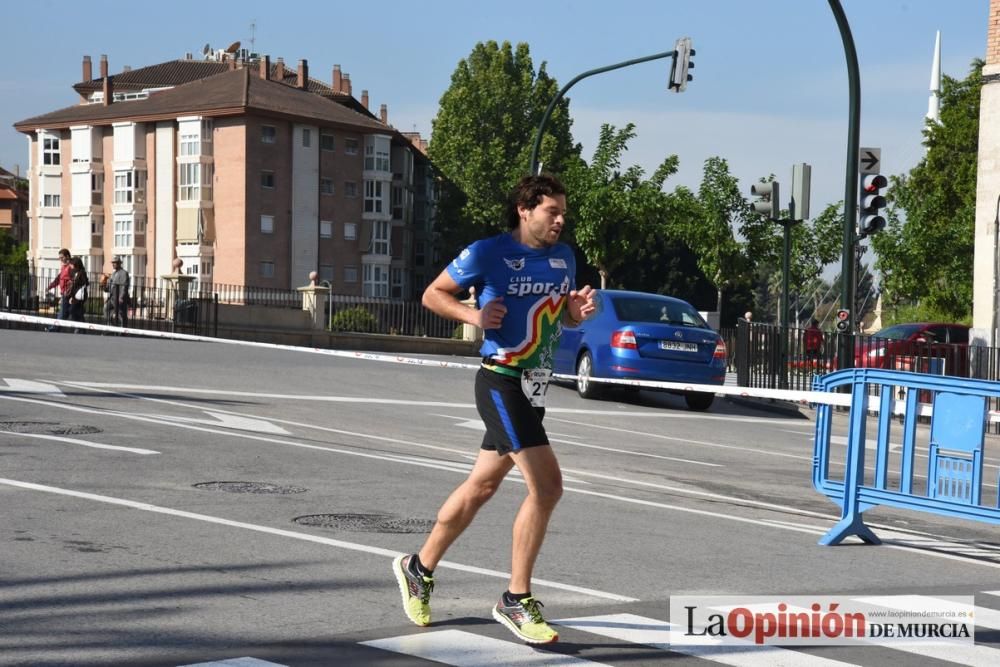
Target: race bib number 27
534 384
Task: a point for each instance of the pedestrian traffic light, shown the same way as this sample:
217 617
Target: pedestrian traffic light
843 320
679 75
769 202
870 220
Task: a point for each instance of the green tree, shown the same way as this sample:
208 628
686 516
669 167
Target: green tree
613 211
925 253
13 255
483 133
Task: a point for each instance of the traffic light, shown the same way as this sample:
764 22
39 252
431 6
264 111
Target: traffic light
869 218
679 76
843 320
769 204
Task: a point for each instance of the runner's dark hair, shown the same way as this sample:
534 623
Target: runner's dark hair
529 192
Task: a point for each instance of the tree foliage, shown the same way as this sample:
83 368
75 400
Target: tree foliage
925 254
483 135
13 255
614 210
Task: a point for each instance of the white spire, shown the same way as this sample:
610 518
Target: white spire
933 104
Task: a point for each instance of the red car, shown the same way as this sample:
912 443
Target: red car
924 347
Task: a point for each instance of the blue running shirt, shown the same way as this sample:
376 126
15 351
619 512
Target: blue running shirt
535 285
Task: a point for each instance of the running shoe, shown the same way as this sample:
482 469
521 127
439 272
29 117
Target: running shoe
524 619
415 589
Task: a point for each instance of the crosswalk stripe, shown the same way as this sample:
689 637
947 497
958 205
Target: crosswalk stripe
464 649
236 662
656 633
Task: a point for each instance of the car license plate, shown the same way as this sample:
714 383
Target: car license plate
678 346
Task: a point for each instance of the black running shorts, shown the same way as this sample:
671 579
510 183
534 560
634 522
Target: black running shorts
512 423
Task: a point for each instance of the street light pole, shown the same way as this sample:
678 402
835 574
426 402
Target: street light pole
846 353
535 166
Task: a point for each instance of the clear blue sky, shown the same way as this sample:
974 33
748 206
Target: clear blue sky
770 86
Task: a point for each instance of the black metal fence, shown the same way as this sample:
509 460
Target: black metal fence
157 305
773 357
149 307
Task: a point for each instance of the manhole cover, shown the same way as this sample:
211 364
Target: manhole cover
250 487
49 428
366 523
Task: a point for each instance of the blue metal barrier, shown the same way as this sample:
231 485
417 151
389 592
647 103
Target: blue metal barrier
954 449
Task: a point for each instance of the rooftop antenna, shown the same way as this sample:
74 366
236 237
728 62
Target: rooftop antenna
253 33
207 49
234 47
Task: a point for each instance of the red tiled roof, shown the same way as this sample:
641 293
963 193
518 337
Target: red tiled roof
177 72
231 92
10 193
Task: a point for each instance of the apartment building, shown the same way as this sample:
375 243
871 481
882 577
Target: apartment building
13 206
251 173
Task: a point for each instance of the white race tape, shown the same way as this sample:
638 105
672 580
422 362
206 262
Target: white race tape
796 396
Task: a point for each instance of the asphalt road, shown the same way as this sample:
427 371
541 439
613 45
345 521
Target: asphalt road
174 503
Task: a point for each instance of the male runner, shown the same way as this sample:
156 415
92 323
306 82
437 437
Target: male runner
525 285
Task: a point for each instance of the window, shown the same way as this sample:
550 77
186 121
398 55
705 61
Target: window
188 182
350 231
268 134
51 200
376 280
419 252
350 189
190 144
396 283
96 189
306 137
373 197
267 269
397 202
130 186
326 273
325 141
325 229
350 274
267 179
350 146
380 237
377 156
50 150
123 231
267 224
326 186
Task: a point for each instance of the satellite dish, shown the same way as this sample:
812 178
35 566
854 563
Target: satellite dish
234 47
205 50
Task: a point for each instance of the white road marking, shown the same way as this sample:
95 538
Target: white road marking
477 425
464 649
570 489
237 662
656 633
224 420
340 544
31 387
82 443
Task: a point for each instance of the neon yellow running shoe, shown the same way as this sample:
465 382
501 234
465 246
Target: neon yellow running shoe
525 620
415 589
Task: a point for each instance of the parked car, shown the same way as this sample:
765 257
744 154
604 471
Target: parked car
928 347
640 336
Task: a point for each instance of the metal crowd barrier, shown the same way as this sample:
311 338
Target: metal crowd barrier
958 411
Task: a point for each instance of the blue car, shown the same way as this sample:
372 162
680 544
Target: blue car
641 336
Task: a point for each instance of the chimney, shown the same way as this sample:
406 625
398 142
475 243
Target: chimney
336 79
88 70
303 79
383 114
347 83
232 64
265 67
279 70
108 87
188 56
364 98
